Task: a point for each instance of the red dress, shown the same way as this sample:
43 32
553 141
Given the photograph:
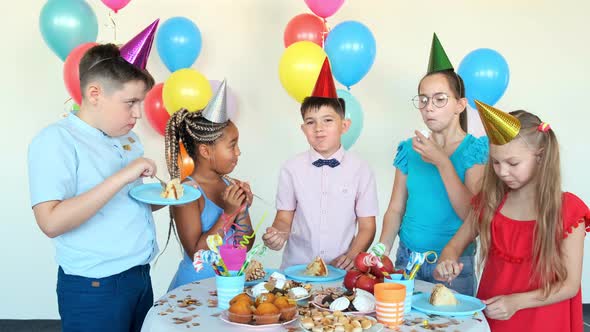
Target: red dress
508 270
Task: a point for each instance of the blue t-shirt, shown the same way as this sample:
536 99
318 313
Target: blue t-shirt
71 157
430 221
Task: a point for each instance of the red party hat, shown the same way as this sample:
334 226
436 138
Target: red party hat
324 86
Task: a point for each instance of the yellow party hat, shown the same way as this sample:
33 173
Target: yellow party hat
501 127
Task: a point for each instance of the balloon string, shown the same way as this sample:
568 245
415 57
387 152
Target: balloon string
114 26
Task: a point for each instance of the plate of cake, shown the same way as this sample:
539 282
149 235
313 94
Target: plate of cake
443 302
175 193
356 301
279 285
315 271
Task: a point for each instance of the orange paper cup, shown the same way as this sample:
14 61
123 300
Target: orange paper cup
389 305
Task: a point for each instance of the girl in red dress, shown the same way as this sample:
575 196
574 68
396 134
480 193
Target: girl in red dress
531 233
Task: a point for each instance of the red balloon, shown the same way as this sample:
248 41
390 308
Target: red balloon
305 27
72 73
154 109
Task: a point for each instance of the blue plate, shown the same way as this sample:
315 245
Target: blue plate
467 306
150 193
296 273
257 281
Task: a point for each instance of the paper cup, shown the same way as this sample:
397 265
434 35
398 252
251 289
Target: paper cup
409 291
389 305
228 287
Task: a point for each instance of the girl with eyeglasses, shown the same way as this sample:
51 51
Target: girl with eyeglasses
437 175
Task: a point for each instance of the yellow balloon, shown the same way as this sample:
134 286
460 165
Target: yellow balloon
300 67
186 88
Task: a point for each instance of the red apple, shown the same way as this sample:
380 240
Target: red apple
387 267
351 278
359 262
366 282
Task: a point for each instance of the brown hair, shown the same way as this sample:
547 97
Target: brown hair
104 62
549 269
315 103
457 87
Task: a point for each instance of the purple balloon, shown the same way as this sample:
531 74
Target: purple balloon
232 100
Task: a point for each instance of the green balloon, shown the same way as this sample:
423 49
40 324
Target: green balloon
354 112
66 24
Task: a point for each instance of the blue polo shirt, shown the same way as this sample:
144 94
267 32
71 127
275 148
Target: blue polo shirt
71 157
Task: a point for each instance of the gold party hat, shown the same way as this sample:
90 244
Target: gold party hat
501 127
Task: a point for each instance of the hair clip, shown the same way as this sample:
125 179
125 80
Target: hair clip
544 127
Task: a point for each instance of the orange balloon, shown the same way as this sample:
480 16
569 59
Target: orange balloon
185 162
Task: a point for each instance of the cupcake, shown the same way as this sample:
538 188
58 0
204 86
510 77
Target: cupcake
240 312
267 313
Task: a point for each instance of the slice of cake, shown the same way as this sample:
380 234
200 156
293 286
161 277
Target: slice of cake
174 190
254 271
317 268
442 296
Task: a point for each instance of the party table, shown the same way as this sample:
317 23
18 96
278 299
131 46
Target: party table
192 307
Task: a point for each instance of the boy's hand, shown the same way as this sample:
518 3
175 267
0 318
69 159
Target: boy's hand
233 197
275 239
140 167
447 270
343 262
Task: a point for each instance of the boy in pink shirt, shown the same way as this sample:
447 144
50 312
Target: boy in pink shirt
325 192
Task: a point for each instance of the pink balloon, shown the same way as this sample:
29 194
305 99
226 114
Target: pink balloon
115 5
232 100
324 8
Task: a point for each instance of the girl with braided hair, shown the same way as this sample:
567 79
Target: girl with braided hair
213 145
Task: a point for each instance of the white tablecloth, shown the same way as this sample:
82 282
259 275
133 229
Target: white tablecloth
167 315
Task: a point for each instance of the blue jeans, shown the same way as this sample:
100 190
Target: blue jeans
118 303
465 283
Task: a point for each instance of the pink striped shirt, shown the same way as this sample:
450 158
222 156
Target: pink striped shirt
327 202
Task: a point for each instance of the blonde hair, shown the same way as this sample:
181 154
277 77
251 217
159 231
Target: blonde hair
548 267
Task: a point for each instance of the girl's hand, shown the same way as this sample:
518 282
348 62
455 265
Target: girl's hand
430 151
247 190
501 307
233 197
447 270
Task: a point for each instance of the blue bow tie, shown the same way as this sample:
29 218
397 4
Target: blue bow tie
323 162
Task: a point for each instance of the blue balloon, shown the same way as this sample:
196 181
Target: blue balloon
179 43
354 112
351 49
486 76
66 24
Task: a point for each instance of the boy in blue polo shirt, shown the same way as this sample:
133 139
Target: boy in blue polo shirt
81 169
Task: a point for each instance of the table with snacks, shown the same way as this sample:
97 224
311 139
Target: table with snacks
194 307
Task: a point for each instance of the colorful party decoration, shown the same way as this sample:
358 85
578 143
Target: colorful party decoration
351 48
178 43
115 5
71 72
305 27
353 112
324 8
154 109
186 88
66 24
500 127
299 68
438 61
486 76
137 50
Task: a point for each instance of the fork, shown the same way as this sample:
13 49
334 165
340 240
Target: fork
162 183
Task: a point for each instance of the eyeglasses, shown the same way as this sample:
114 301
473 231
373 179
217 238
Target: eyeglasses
439 100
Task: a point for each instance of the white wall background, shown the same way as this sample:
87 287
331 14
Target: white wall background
545 43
